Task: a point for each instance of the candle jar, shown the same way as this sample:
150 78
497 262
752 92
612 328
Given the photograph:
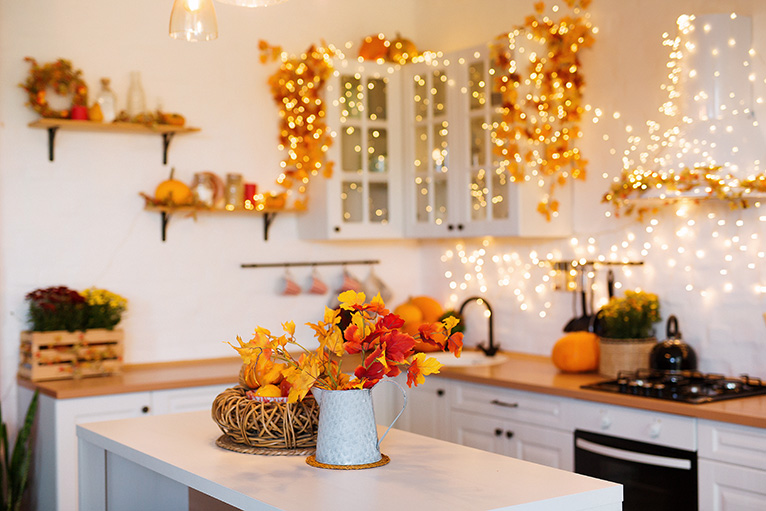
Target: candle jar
235 192
203 189
250 190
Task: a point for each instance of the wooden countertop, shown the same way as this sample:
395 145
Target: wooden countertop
143 378
533 373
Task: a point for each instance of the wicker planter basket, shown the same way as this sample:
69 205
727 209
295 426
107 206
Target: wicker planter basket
624 355
266 425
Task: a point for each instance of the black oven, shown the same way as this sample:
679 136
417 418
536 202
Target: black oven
654 477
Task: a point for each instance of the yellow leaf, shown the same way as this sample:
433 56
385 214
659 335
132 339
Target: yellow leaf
350 298
289 327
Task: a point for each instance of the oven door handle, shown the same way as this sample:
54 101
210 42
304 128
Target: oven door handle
637 457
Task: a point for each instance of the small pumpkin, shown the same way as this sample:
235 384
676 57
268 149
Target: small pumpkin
173 192
431 308
374 47
401 50
576 352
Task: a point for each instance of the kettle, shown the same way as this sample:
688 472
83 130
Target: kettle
673 354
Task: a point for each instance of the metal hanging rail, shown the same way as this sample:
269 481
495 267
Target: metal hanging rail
309 263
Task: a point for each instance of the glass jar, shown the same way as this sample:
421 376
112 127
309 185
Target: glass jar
235 192
203 189
107 101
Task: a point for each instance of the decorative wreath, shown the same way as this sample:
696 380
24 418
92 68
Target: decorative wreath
62 78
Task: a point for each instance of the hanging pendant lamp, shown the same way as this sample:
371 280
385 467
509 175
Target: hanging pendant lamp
193 20
251 3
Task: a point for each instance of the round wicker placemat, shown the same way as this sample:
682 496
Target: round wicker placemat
312 460
227 443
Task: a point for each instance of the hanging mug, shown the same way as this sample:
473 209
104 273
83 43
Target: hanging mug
290 286
318 286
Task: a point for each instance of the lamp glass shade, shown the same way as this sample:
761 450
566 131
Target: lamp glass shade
251 3
193 20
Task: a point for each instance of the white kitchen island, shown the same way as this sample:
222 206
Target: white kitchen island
156 462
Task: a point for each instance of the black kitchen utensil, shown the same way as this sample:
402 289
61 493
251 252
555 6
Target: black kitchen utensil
597 325
673 354
581 323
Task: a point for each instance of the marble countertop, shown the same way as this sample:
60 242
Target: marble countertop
423 473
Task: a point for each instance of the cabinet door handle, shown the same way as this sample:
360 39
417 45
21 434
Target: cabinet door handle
498 432
145 409
509 434
440 392
459 227
503 403
450 227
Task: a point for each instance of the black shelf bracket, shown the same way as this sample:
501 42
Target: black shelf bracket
268 217
164 219
51 138
166 139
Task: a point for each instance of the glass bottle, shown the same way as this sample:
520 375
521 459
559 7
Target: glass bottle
136 97
107 101
235 192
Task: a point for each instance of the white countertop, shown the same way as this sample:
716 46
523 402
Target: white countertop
424 474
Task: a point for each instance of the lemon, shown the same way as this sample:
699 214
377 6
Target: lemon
268 391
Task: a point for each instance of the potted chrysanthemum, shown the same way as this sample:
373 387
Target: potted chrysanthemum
71 333
626 331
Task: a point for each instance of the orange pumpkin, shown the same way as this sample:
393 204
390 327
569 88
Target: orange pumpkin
373 47
576 352
173 191
401 50
431 309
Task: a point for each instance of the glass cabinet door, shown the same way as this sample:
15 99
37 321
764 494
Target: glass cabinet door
426 94
363 102
489 178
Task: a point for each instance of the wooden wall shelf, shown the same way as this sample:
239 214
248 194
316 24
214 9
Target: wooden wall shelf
167 211
165 130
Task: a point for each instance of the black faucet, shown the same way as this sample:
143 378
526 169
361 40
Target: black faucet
491 349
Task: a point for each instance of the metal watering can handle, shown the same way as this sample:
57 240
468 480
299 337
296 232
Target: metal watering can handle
404 405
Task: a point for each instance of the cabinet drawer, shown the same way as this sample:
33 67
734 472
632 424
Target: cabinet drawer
509 404
742 445
639 425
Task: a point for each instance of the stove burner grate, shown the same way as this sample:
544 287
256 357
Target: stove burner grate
683 386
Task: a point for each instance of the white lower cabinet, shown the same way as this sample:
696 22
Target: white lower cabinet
524 425
732 467
427 411
527 442
54 465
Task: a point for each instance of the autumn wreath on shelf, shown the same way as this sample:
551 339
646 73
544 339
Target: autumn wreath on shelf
59 76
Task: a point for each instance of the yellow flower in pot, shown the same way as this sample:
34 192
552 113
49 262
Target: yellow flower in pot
626 328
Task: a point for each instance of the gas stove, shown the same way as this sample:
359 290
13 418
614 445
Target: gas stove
683 386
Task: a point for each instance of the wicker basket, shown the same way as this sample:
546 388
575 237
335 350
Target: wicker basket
624 355
266 425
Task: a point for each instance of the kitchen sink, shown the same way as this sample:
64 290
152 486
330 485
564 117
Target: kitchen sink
467 359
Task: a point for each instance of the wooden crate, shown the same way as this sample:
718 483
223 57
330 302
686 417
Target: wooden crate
61 355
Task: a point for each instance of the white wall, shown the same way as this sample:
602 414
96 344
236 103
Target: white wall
79 221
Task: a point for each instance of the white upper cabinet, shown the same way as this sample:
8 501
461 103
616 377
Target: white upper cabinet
455 182
362 199
415 156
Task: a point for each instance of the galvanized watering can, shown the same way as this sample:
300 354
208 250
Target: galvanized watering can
347 433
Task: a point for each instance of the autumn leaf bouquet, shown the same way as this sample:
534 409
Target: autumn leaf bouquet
280 366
